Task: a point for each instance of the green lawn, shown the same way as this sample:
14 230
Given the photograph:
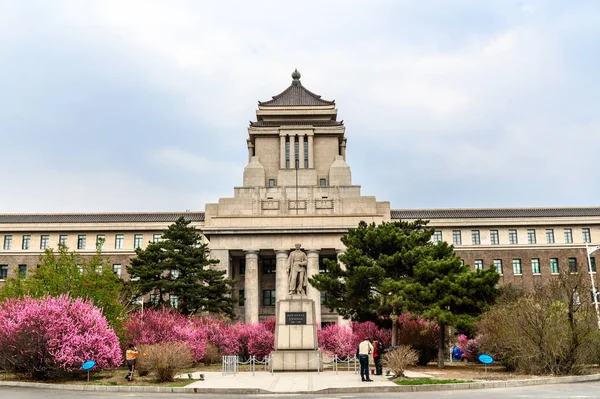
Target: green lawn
427 381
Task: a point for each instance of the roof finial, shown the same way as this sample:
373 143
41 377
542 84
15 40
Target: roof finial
296 75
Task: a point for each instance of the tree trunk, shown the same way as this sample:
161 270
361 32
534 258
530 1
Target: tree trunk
442 346
394 330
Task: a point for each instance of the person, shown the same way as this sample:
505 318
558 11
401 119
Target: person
130 357
377 353
297 264
365 348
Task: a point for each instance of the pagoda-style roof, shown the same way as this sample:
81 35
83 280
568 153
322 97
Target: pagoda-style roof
296 95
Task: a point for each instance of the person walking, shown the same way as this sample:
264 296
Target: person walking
377 353
365 348
130 357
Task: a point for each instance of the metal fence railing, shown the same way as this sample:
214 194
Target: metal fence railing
230 364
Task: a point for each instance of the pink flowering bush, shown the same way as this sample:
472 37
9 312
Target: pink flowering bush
338 340
167 325
469 347
370 329
421 334
48 336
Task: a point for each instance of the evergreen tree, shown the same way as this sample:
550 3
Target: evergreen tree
178 265
394 267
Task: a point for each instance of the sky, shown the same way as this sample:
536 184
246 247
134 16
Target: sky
134 106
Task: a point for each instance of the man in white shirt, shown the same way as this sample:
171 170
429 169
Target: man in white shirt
365 348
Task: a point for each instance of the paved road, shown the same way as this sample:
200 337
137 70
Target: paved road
557 391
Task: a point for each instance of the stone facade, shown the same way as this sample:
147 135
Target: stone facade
297 188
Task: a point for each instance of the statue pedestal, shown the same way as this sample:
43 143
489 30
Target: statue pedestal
296 346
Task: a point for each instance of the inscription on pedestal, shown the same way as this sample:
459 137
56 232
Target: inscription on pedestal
295 318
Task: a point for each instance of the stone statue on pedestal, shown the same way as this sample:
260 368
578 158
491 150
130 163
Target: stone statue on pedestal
297 276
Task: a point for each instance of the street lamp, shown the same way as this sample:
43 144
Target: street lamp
589 251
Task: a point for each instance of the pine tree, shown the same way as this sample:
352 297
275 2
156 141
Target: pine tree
179 265
394 267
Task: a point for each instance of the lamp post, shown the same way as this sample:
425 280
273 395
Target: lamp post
589 251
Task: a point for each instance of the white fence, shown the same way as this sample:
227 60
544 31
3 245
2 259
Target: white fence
230 364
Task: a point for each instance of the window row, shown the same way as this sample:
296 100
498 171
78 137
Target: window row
269 297
138 240
553 265
22 270
513 236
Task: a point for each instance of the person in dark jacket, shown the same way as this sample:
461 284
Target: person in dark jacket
377 353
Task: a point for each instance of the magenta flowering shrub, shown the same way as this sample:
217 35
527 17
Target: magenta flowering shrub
469 347
259 339
49 336
421 334
167 325
338 340
370 329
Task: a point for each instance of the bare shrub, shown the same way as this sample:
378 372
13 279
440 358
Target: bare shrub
212 355
552 330
398 359
143 365
168 358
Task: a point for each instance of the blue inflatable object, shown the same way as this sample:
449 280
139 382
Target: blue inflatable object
88 365
457 354
486 359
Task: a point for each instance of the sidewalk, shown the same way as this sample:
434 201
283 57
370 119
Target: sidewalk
291 382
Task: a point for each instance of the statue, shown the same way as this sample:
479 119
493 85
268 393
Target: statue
297 265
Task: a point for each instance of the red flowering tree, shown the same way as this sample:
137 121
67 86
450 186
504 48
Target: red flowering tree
370 329
48 336
421 334
469 347
338 340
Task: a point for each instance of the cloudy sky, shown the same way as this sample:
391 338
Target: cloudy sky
144 105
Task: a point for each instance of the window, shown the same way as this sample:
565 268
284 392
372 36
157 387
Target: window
175 274
62 239
595 298
154 299
3 272
287 152
549 236
81 241
268 265
174 301
22 271
323 265
568 236
494 240
324 297
306 154
437 237
7 242
242 267
554 265
100 240
156 237
573 265
475 238
268 297
241 298
117 269
478 264
138 240
517 266
498 266
576 298
26 242
119 238
323 182
296 152
271 182
535 266
44 241
593 264
585 232
531 236
512 236
456 240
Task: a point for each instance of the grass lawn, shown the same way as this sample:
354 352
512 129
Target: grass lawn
427 381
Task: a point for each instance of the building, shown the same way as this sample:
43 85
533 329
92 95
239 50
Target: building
297 188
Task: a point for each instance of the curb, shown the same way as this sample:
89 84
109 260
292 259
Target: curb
256 391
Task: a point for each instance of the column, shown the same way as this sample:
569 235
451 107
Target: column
292 151
313 293
343 148
281 275
250 150
251 289
341 320
311 162
301 152
281 151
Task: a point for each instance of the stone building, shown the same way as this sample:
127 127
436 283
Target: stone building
297 188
